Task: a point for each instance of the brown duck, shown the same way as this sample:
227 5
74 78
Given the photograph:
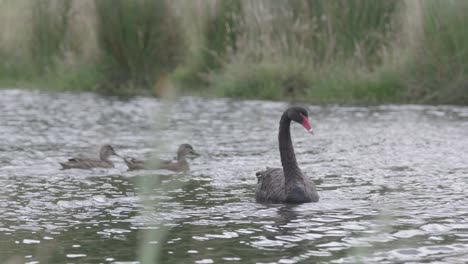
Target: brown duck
88 163
179 165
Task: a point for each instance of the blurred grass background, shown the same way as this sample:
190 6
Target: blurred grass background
342 51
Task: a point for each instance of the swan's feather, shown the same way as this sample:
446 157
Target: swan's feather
271 188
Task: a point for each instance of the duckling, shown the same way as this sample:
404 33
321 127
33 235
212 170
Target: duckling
88 163
179 165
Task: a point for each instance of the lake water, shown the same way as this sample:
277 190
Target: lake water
392 181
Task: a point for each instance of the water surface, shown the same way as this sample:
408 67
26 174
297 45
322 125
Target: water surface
392 181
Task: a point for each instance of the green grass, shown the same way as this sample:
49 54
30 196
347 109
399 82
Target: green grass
218 36
49 22
339 85
139 41
136 42
320 51
374 88
438 69
355 51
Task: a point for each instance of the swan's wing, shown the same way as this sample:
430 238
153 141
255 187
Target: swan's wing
271 188
312 189
264 173
302 191
270 185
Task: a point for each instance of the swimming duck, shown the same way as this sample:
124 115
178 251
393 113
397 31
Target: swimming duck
88 163
179 165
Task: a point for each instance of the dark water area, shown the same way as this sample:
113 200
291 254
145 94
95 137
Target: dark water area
392 181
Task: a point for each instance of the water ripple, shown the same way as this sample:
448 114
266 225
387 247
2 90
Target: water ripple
392 182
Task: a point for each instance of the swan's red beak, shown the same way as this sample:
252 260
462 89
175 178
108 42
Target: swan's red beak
306 124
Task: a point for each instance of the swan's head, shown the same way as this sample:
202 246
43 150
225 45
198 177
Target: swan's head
300 115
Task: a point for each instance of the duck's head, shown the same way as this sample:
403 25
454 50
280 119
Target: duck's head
185 150
107 151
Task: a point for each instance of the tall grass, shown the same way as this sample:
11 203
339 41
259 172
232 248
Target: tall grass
49 24
438 69
324 32
139 41
13 33
106 46
216 35
287 48
324 51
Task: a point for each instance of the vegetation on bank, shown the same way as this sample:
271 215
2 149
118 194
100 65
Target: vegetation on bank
355 51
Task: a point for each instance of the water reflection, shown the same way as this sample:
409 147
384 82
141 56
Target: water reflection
392 182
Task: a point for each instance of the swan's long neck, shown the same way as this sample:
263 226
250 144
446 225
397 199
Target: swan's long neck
288 158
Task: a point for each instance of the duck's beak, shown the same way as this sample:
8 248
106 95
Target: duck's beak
194 153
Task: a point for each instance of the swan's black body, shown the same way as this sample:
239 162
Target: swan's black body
287 185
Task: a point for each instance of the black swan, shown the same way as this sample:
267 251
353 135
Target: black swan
88 163
179 165
287 185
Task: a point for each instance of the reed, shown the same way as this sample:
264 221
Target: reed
290 49
438 69
49 24
139 41
213 37
315 50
